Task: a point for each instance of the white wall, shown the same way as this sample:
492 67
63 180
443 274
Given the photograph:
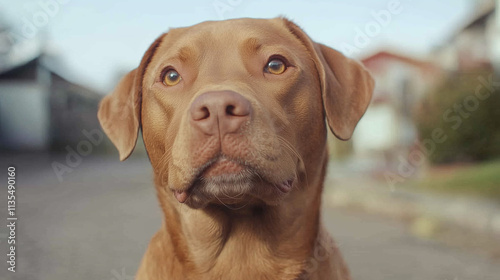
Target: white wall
388 125
24 116
377 130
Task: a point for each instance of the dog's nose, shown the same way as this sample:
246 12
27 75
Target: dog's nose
220 112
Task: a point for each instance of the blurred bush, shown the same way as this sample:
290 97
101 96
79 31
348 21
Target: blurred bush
466 106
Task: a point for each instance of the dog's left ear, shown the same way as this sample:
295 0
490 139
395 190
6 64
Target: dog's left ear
346 85
120 112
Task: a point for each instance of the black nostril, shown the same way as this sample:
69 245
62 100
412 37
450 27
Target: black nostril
206 113
201 113
238 108
230 110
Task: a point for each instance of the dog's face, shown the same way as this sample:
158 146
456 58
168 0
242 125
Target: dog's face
233 112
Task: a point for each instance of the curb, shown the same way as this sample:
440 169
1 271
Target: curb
475 214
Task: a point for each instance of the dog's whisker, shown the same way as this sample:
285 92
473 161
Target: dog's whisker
233 197
229 207
164 161
288 147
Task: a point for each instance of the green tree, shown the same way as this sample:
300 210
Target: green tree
467 107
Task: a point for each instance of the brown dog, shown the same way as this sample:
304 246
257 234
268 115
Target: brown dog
233 120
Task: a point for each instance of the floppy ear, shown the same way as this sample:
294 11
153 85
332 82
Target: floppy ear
120 112
346 85
119 115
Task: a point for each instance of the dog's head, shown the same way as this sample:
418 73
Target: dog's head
233 112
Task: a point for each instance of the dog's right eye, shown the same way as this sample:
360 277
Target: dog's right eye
171 77
275 66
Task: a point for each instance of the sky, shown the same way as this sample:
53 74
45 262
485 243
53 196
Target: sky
97 40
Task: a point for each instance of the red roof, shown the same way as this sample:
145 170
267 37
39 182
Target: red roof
372 62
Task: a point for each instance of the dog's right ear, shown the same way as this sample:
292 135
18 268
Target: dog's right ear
346 85
120 112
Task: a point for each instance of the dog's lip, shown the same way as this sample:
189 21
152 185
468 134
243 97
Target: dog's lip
183 194
285 186
205 172
222 166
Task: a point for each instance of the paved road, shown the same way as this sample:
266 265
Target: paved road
96 225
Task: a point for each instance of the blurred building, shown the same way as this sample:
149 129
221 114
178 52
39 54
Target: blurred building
476 44
402 82
39 109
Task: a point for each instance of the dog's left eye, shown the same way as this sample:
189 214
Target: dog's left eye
275 66
171 78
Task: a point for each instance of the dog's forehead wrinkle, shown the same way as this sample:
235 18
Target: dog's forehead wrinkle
186 53
252 44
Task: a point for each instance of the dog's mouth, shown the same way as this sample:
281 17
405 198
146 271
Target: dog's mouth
219 168
226 173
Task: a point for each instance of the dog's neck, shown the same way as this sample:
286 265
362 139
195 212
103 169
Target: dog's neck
234 243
